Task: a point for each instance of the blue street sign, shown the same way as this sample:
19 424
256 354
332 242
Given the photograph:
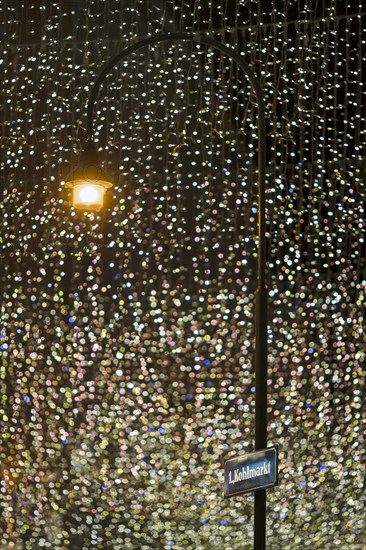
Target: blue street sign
251 472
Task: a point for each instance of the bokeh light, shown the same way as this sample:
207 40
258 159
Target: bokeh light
126 336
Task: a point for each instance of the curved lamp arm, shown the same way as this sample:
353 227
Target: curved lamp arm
232 54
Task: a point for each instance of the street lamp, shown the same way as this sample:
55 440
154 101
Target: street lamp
89 183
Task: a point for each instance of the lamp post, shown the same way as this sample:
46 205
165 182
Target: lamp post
89 183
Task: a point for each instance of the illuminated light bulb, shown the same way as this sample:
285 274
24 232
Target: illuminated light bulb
88 195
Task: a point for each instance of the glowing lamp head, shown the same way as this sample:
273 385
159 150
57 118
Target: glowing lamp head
88 182
88 194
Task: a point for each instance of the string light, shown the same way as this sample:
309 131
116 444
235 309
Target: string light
126 335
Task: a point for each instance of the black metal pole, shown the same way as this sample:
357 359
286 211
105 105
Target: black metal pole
261 305
261 335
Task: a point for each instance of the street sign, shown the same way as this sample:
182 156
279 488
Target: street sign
251 472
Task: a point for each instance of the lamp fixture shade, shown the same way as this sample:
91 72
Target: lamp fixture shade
88 181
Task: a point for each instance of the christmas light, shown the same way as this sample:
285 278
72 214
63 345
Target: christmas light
126 334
